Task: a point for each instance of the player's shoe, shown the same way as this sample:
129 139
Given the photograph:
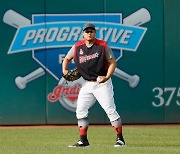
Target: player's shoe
119 143
80 144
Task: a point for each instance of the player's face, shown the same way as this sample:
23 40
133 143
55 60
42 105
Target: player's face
89 34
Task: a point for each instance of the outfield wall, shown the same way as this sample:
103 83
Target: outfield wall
32 88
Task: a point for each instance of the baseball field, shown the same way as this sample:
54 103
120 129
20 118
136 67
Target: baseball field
145 139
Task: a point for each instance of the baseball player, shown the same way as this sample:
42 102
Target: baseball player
95 62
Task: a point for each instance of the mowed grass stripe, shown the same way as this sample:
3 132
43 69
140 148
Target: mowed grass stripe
139 139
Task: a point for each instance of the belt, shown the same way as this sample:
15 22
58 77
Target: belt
93 80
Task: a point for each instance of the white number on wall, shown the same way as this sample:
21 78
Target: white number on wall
160 99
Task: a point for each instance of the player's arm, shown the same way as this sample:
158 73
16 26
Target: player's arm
67 60
112 65
65 64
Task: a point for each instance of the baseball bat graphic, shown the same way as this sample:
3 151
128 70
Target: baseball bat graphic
22 81
137 18
133 80
16 20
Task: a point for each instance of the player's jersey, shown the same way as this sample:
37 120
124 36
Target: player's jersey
91 61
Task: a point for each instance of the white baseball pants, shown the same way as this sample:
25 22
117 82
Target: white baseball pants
103 93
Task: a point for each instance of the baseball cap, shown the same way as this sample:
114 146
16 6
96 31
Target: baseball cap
88 25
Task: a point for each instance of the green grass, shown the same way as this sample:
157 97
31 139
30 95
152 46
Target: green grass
139 139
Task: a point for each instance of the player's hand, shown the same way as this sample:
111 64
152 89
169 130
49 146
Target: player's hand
102 79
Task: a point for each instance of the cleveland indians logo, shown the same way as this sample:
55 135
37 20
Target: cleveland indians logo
50 36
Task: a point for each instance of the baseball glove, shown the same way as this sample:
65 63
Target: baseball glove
72 75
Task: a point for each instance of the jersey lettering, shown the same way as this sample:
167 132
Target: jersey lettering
83 59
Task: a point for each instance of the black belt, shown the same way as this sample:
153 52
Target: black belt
93 80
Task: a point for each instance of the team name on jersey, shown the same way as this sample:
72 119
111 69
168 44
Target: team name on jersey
83 59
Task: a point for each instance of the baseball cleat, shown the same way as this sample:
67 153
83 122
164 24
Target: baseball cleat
119 143
80 144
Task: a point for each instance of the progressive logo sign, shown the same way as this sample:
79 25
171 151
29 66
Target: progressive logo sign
52 35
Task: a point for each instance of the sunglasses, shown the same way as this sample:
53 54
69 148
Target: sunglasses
89 31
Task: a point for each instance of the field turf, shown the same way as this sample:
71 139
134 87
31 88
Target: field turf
140 139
